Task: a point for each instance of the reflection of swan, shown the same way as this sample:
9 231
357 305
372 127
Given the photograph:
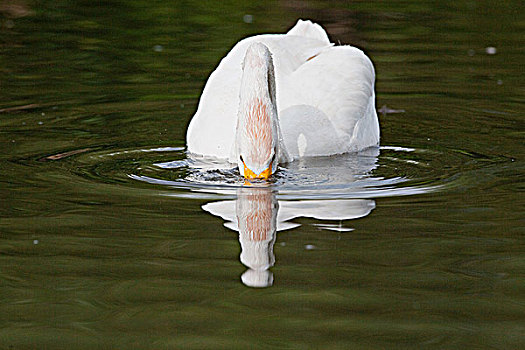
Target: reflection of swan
330 209
296 95
257 215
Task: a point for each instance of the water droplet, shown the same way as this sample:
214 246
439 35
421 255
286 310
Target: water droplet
158 48
500 82
35 241
283 244
43 114
182 105
247 18
40 122
490 50
310 247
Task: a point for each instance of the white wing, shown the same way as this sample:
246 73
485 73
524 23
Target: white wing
328 105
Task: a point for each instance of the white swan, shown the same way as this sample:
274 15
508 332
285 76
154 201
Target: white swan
277 97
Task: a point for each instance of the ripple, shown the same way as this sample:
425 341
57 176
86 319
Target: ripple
362 175
386 171
377 172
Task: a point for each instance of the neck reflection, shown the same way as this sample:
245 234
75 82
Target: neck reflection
256 210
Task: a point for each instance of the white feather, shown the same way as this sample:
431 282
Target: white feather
324 93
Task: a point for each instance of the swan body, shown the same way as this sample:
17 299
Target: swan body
309 98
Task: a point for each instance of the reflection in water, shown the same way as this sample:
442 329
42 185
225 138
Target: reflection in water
254 215
336 188
257 215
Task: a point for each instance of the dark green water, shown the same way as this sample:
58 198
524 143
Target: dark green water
110 240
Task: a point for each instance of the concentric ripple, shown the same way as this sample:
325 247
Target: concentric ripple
378 172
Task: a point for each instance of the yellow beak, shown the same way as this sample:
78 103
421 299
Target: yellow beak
248 174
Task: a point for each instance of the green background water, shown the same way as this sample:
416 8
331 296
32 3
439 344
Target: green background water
92 258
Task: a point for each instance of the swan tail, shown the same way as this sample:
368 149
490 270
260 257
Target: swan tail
311 30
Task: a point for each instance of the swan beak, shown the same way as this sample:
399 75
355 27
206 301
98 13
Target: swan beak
248 174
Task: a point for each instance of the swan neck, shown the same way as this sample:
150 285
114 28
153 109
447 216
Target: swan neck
257 135
256 85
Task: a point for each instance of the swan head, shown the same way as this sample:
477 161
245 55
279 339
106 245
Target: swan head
257 133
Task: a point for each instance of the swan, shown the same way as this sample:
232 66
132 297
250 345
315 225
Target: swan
278 97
